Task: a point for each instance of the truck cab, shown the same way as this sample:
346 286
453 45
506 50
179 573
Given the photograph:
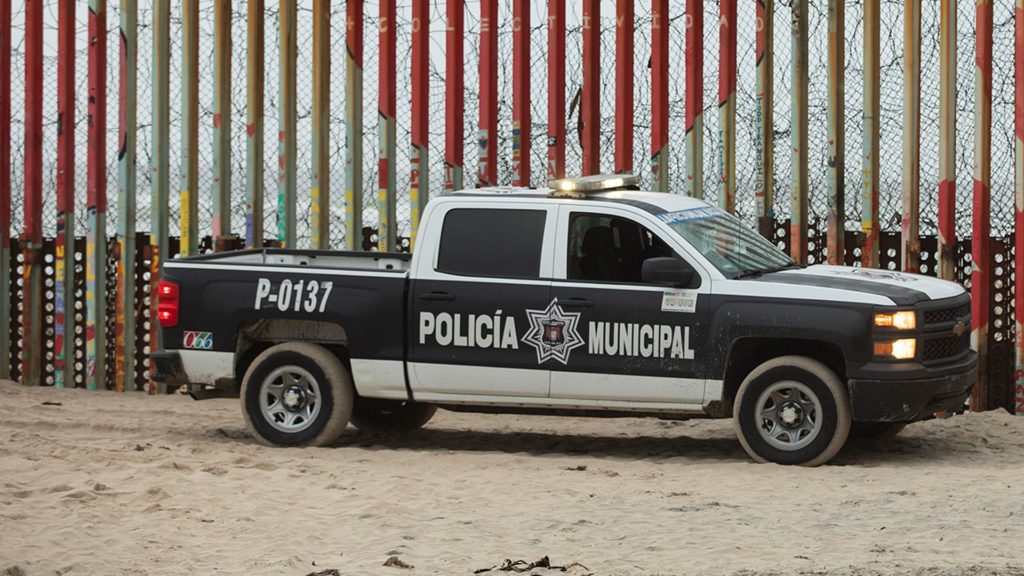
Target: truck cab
589 298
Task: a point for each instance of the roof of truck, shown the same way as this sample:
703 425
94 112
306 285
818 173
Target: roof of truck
654 202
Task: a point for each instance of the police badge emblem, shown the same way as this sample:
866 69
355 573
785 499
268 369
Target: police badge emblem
553 333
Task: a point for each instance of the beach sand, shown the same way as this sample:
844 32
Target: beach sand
99 483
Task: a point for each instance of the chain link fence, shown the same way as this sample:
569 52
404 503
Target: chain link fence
891 121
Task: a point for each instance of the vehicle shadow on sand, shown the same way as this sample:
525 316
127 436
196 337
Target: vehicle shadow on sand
718 448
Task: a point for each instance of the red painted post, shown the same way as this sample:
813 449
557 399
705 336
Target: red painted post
624 23
420 89
659 95
487 139
521 125
64 259
590 107
96 236
947 139
455 94
556 89
764 139
32 321
5 188
387 235
1018 171
981 274
694 24
727 104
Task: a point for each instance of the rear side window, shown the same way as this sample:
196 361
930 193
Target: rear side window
488 242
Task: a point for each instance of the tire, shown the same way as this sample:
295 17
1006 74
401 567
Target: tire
297 394
808 408
876 430
390 415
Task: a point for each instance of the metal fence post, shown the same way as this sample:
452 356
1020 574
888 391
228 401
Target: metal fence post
189 182
798 135
387 235
254 84
32 290
836 132
320 232
556 89
694 32
521 121
870 141
1018 184
454 95
764 138
222 48
624 25
911 135
96 237
727 105
354 125
419 154
287 139
64 257
590 104
487 170
659 95
126 184
161 170
5 188
947 139
981 253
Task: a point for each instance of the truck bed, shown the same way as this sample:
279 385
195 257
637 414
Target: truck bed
333 259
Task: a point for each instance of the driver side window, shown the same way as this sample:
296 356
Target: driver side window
604 248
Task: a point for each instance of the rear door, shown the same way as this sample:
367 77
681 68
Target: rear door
491 263
644 343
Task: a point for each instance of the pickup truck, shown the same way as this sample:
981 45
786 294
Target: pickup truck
589 298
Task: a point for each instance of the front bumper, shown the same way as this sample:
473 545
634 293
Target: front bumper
899 399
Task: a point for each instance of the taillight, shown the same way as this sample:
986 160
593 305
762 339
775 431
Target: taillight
167 303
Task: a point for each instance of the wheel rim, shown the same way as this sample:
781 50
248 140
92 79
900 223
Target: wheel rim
788 415
290 399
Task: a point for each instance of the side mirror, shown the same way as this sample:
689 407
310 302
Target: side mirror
667 271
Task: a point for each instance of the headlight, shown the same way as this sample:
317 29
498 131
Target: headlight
905 349
903 320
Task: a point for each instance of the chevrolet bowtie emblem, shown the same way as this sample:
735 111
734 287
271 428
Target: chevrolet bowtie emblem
959 329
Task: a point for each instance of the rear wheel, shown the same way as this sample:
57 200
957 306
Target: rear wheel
792 410
297 394
391 415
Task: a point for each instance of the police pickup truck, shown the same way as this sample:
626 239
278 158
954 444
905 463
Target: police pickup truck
590 298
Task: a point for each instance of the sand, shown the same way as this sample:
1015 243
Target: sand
127 484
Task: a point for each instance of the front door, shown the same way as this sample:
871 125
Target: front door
470 303
640 343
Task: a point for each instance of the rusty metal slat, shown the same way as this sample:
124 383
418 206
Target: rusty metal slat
189 180
911 235
354 124
254 88
454 95
32 311
590 101
556 89
5 188
836 235
1018 184
981 261
487 167
694 113
799 185
624 26
222 47
96 235
521 121
321 190
287 195
659 95
947 139
870 136
727 104
764 137
386 158
160 168
64 257
127 188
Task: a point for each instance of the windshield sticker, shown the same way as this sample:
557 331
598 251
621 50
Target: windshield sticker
690 214
684 301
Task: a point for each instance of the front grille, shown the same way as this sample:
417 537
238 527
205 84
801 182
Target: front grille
946 347
944 315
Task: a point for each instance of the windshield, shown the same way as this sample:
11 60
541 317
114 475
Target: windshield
734 249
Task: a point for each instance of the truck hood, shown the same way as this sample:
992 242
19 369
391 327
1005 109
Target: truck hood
861 284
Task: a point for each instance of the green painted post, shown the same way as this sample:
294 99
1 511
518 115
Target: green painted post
189 183
161 181
126 188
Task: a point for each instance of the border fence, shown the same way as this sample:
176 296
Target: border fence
881 133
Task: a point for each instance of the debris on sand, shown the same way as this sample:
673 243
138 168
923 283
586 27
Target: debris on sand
520 566
396 562
331 572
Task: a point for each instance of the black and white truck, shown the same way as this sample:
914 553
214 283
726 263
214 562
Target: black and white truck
590 298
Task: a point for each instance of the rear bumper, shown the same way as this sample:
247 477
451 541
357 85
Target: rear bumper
908 400
168 369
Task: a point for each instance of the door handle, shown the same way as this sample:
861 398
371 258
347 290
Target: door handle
437 296
576 303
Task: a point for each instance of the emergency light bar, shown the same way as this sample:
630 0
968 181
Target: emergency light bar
578 187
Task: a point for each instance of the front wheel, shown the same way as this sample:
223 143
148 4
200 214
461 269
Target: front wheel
792 410
297 394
